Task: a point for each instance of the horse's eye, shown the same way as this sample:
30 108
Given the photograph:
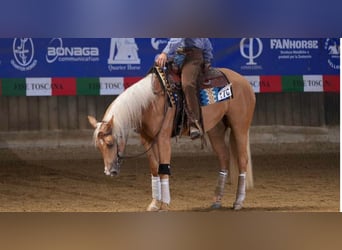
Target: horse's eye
109 140
100 135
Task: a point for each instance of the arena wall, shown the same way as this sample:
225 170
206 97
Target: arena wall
21 113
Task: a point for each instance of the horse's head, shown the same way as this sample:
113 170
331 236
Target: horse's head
111 146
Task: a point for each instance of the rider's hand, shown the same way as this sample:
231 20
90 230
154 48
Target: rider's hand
161 60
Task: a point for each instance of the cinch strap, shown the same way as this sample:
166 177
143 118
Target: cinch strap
164 169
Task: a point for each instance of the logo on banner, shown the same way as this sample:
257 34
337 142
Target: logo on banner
156 42
123 53
332 46
111 85
251 49
292 49
56 51
23 52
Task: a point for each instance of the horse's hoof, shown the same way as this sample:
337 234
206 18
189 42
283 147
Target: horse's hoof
154 206
164 207
216 205
152 209
237 206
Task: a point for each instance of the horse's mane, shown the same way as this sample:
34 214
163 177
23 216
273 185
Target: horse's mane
127 108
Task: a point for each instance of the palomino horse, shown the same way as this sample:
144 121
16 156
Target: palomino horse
145 107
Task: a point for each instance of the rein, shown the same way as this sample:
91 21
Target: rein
120 158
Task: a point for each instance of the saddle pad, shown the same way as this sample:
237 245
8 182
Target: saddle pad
215 94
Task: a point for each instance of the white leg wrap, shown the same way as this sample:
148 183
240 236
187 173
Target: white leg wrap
242 186
165 191
241 191
156 188
221 183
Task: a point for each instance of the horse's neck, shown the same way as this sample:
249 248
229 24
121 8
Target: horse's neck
154 115
128 108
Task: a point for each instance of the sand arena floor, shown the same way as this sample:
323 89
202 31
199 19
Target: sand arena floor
72 180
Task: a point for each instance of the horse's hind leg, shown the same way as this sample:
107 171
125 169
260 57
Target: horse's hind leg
217 140
238 143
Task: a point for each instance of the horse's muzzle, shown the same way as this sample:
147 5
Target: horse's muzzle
111 172
114 170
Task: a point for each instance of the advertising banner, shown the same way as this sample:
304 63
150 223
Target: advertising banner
106 66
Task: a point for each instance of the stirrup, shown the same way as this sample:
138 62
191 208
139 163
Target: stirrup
195 130
194 133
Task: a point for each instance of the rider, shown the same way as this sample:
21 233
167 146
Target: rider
192 56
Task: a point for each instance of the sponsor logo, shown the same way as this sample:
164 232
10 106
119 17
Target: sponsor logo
332 46
313 83
111 85
44 86
254 82
156 42
294 48
23 52
38 86
293 44
123 54
251 49
56 51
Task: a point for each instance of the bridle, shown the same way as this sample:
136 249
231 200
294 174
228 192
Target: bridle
119 155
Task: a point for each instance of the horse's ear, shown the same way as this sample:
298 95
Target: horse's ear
92 121
111 122
107 127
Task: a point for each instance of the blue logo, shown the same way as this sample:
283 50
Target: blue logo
23 52
332 46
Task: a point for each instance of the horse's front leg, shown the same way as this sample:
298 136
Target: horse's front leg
152 156
164 147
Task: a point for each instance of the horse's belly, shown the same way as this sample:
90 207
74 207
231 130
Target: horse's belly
213 113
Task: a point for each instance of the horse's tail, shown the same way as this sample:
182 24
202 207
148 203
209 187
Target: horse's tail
233 162
250 179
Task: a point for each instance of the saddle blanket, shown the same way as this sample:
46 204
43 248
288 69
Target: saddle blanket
215 94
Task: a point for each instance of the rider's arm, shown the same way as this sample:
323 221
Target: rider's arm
172 46
207 51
